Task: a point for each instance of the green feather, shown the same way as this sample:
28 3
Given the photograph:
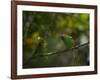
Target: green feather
68 40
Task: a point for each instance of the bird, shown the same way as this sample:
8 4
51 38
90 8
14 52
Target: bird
69 45
68 40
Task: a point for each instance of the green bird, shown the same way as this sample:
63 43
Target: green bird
68 40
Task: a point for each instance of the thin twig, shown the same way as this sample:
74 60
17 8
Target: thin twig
57 52
65 50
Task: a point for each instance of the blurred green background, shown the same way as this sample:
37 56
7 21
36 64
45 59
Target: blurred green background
41 37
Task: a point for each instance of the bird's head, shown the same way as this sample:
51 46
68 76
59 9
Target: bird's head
63 35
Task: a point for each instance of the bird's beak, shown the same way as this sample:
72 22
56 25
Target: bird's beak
62 37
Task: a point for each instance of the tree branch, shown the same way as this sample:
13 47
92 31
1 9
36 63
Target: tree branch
65 50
